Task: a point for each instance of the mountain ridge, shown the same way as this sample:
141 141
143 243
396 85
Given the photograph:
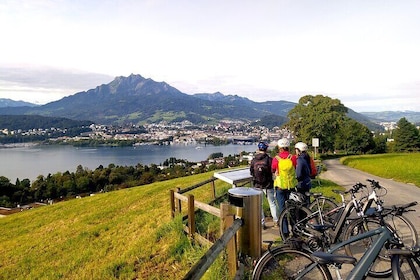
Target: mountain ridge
135 99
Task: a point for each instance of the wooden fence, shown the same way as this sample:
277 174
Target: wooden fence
229 225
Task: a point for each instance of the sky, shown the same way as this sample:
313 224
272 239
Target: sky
364 53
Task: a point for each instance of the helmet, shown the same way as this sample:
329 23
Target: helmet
298 197
301 146
283 143
262 146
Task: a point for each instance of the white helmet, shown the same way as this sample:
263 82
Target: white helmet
301 146
298 197
283 143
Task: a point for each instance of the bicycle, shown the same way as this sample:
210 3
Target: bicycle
320 234
296 261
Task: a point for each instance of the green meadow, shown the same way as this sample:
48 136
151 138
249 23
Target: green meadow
403 167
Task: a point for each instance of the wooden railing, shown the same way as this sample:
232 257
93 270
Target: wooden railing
229 225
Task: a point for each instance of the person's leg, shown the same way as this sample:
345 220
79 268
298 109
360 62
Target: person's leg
262 210
273 205
282 196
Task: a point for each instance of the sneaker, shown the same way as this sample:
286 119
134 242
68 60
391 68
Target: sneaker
264 227
276 225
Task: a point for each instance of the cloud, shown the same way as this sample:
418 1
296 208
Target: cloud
41 85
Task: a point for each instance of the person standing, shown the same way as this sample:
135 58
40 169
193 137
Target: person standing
262 178
303 170
283 166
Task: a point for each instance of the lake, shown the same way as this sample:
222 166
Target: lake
30 162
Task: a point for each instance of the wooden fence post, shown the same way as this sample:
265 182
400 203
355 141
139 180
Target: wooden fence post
213 187
226 219
172 202
178 205
191 215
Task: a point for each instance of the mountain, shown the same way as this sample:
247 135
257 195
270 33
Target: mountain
5 102
137 100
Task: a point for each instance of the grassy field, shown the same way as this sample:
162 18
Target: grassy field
125 234
400 167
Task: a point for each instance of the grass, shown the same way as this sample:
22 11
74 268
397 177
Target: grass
404 167
126 234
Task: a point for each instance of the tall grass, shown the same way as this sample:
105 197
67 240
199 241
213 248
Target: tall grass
126 234
400 167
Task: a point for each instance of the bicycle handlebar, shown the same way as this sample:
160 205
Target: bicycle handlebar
374 184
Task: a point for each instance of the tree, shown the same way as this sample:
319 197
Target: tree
354 137
317 117
406 136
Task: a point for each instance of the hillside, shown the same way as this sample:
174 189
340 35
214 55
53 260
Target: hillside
126 234
25 122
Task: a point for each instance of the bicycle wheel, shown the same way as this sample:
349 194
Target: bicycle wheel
325 204
289 263
399 225
381 267
327 207
292 219
403 228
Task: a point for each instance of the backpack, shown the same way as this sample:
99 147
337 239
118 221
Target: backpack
262 171
314 170
286 177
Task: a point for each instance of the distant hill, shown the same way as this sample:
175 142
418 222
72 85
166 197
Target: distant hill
138 100
5 102
26 122
394 116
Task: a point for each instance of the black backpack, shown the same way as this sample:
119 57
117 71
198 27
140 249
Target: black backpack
262 171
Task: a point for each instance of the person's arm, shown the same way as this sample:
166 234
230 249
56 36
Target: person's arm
299 166
274 165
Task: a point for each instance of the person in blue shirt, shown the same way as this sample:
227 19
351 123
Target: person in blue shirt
303 169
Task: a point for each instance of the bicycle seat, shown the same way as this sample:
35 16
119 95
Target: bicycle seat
321 228
315 195
326 258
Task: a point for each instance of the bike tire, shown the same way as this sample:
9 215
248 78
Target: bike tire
289 217
325 203
381 267
327 207
289 263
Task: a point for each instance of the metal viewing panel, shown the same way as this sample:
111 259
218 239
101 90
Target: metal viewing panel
235 176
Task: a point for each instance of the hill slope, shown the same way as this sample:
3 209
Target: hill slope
126 234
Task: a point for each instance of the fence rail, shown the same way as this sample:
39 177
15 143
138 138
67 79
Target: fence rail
228 227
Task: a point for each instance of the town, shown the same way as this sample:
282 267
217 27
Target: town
163 133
